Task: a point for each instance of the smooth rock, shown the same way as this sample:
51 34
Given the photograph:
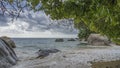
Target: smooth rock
10 42
8 57
45 52
97 39
71 39
59 40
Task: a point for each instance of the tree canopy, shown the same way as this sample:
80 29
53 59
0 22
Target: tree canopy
101 16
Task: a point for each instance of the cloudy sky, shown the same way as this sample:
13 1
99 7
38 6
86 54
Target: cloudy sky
37 25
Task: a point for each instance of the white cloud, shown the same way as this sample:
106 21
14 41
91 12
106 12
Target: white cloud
32 24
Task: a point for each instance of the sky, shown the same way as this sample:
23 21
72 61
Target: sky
36 25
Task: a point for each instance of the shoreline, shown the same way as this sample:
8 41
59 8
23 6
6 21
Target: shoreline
72 58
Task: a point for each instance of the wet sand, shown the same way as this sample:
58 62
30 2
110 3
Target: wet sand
110 64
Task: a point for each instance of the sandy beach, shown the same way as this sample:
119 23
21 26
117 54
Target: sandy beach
71 58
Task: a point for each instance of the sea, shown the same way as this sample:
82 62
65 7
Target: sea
44 43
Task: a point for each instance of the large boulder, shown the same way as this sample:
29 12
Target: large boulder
45 52
59 40
71 39
97 39
7 55
9 41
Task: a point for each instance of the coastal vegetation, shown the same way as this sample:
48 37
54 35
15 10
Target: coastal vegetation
99 16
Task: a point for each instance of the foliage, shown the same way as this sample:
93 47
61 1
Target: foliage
84 31
101 16
117 41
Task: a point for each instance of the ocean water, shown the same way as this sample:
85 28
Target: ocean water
44 43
